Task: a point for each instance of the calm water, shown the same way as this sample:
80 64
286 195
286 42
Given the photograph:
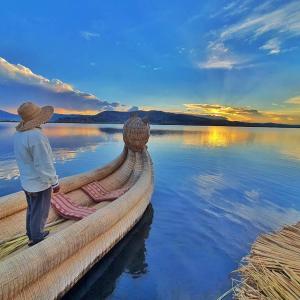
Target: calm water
216 189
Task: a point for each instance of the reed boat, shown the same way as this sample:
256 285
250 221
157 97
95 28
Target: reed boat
90 215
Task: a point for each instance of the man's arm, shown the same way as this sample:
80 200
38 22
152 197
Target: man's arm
43 162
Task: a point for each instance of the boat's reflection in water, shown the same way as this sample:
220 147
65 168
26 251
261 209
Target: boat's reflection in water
128 256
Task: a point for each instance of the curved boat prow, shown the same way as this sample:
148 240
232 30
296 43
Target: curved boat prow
48 269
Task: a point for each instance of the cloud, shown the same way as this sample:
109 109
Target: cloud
220 57
217 63
293 100
222 110
18 84
134 108
269 26
272 46
283 21
234 8
89 35
20 73
243 114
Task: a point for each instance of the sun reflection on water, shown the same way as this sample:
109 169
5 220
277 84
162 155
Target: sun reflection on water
214 137
284 141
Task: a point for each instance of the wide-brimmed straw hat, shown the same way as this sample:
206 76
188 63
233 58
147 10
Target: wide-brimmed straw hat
33 115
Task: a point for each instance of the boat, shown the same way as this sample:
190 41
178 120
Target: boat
91 214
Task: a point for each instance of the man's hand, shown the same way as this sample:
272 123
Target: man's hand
56 189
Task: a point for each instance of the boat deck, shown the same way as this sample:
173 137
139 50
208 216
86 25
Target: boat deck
14 225
61 225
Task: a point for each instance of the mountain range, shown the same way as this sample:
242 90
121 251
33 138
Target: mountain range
154 117
6 116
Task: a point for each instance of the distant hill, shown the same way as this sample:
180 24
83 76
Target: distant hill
163 118
154 116
56 117
6 116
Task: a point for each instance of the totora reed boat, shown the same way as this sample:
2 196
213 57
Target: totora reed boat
91 214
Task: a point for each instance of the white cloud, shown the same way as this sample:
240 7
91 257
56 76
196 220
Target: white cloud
18 83
20 72
284 20
274 25
272 46
236 7
23 74
89 35
217 63
293 100
233 8
220 57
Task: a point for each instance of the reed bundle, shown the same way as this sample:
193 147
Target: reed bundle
11 245
136 132
272 269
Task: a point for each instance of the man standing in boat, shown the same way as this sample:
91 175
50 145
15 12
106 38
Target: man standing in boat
37 173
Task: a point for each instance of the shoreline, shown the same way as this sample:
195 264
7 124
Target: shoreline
249 125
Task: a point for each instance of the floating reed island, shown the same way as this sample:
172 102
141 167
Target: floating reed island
90 215
272 269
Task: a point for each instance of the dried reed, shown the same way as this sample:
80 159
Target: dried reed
11 245
272 269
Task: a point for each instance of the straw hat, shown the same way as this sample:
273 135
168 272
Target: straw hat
33 116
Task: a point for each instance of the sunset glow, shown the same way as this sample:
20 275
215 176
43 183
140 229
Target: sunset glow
237 60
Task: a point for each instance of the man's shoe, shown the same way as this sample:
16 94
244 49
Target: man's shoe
33 242
46 233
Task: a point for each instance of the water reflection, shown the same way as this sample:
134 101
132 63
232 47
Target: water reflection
8 169
229 198
285 141
67 141
216 190
214 137
197 136
67 131
128 256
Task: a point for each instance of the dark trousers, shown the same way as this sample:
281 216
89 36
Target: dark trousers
37 213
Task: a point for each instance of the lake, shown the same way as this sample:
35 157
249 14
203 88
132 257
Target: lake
216 190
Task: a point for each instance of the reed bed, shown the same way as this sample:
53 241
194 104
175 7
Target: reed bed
272 269
11 245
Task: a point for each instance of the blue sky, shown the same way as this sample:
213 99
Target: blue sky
238 59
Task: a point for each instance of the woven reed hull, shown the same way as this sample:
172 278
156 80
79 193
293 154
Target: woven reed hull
49 269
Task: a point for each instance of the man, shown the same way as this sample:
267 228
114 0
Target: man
37 173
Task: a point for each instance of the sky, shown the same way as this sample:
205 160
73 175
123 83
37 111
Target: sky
238 59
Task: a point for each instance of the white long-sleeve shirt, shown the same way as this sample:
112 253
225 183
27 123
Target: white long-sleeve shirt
35 160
